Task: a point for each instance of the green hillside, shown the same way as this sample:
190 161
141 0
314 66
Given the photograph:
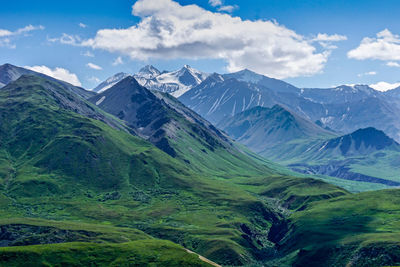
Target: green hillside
354 230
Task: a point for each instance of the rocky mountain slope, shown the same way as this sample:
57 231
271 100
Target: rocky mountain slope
172 127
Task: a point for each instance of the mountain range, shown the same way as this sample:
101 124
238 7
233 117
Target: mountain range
175 83
218 97
279 121
343 109
84 180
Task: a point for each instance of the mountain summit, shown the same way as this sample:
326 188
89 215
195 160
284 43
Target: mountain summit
361 141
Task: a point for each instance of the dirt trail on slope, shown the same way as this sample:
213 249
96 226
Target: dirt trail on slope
204 259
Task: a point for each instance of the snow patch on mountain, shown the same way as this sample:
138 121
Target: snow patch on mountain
110 82
175 83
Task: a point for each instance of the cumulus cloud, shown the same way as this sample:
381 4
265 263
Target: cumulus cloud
386 47
118 61
7 35
58 73
393 64
369 73
384 86
169 30
93 66
82 25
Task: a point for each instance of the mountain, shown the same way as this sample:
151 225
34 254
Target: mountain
362 141
110 82
339 94
148 72
218 98
10 73
252 77
261 128
75 191
366 155
175 83
172 127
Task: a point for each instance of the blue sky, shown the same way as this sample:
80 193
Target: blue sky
327 65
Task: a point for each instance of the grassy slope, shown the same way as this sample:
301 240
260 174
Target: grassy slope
52 243
353 230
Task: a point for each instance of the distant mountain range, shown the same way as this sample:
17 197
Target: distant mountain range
175 83
342 109
279 134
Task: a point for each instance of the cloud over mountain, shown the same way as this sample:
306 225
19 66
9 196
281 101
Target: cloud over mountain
169 30
57 73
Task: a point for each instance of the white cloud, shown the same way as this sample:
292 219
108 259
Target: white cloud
58 73
6 35
386 47
370 73
323 37
393 64
168 30
384 86
118 61
222 7
228 9
88 54
68 39
215 3
82 25
94 66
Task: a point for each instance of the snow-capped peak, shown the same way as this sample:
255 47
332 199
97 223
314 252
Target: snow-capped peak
110 82
149 72
247 76
175 82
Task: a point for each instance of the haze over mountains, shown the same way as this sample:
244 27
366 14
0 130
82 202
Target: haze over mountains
132 176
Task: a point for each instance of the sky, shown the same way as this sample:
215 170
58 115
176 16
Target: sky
309 43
